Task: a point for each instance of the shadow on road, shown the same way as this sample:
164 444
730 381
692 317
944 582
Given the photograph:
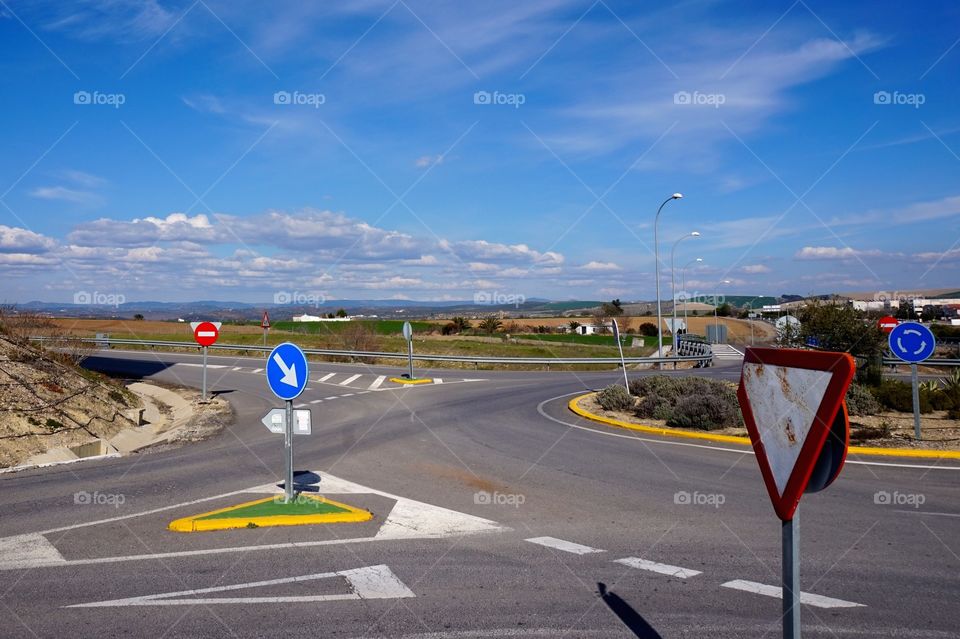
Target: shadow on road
630 617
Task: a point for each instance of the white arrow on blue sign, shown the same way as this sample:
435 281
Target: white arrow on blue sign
912 342
287 371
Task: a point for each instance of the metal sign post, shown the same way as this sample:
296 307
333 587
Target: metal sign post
205 334
913 342
623 364
203 394
408 335
288 449
265 325
791 577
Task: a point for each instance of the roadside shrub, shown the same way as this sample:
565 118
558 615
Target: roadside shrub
705 412
615 397
898 396
860 401
648 329
687 402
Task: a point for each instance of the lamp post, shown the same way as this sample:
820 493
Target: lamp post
656 258
673 285
683 279
716 321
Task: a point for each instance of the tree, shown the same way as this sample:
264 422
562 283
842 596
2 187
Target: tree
490 325
840 327
600 319
574 325
724 310
460 324
613 308
648 329
138 317
341 312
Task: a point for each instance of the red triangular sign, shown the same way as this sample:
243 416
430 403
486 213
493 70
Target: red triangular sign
266 321
790 398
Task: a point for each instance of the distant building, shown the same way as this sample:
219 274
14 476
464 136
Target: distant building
317 318
593 329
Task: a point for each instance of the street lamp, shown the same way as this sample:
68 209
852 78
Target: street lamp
716 321
683 279
656 258
673 285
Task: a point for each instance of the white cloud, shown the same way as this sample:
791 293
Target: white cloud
601 267
755 269
515 253
424 161
833 253
65 194
143 232
18 240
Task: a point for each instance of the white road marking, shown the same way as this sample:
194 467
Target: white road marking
237 368
927 512
299 405
663 569
23 551
332 397
199 365
370 582
349 379
409 519
316 401
326 377
670 442
437 380
258 370
566 546
775 591
347 395
376 383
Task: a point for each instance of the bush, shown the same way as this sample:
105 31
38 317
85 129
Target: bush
615 397
860 401
648 329
687 402
898 396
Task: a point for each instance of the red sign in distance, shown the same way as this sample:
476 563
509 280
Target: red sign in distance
887 323
266 321
206 333
790 399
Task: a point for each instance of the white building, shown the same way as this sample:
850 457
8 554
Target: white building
317 318
594 329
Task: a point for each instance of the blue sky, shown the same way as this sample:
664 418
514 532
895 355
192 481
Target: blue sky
189 150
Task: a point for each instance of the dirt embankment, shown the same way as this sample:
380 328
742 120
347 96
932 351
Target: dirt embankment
45 402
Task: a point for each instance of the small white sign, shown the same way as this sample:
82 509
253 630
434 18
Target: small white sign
275 421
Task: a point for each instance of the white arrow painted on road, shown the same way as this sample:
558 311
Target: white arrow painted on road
289 372
369 582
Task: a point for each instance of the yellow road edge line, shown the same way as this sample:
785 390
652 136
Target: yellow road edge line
404 380
195 523
574 406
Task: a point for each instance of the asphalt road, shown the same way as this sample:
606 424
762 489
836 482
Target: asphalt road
638 536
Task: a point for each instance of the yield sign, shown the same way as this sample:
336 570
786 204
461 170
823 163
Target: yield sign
791 401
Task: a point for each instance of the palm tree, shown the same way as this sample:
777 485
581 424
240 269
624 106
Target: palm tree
574 325
460 324
490 325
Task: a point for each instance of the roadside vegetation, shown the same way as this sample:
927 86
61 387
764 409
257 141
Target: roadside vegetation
679 402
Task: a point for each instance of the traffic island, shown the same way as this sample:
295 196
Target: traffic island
413 380
273 511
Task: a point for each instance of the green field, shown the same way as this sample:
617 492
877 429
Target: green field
380 327
593 340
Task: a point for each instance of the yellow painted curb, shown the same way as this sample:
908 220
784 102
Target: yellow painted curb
404 380
196 524
574 405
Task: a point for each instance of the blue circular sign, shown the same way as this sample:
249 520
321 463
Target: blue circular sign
287 371
912 342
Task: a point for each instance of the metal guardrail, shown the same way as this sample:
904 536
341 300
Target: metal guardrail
893 361
470 359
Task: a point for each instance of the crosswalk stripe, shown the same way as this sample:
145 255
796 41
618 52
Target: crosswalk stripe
349 379
376 383
652 566
775 591
562 544
258 370
326 377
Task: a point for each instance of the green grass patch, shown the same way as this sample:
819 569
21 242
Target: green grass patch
593 340
380 327
302 505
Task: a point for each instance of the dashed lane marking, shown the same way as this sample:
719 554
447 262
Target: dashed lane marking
437 380
376 383
347 381
653 566
566 546
258 370
326 377
316 401
818 601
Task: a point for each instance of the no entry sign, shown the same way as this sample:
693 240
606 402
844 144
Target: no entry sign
792 403
206 333
887 323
